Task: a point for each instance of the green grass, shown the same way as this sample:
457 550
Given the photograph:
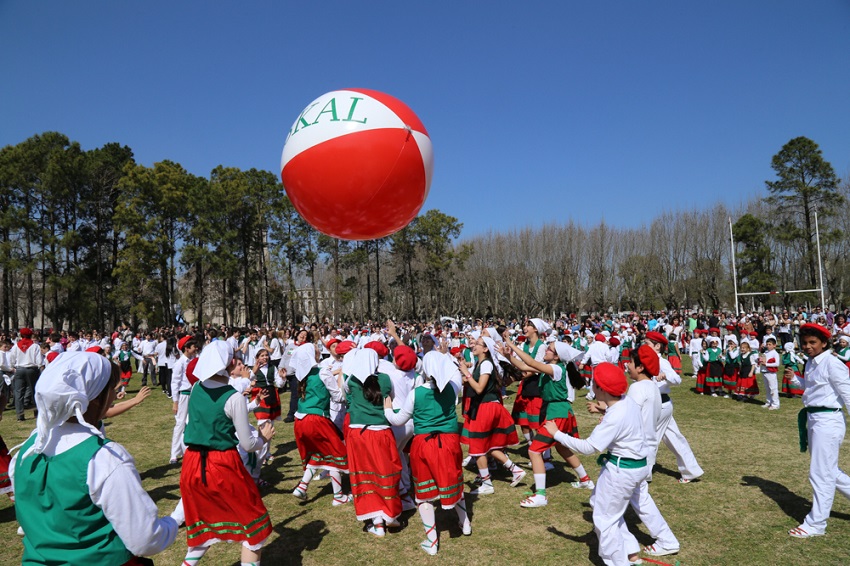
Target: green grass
755 488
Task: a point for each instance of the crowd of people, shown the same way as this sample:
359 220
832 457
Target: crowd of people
378 402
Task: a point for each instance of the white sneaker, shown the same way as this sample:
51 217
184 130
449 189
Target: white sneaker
393 523
766 406
300 495
341 499
518 476
373 530
583 484
773 408
20 531
466 461
483 489
714 394
726 397
466 529
535 500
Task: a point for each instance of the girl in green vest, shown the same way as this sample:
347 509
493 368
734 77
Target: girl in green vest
435 452
79 503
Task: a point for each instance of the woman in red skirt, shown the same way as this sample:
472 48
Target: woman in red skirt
373 460
220 499
487 426
319 441
435 453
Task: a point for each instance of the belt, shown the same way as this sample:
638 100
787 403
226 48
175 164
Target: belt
620 462
665 398
186 392
802 419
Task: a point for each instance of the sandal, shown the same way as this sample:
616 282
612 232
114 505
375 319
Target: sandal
799 532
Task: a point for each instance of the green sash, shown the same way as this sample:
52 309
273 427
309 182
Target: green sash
802 420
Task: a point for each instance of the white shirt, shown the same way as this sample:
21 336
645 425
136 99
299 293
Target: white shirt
648 398
403 382
826 382
115 486
179 381
330 383
672 378
32 358
620 433
160 354
596 353
236 410
148 347
771 361
276 350
74 346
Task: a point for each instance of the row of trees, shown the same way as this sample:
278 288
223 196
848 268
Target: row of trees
93 239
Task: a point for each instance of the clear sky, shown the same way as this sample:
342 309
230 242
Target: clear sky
538 111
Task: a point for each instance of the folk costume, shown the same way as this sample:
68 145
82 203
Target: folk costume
792 379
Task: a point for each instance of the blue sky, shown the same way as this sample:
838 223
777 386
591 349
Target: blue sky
538 111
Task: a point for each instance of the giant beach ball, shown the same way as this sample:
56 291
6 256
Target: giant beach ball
357 164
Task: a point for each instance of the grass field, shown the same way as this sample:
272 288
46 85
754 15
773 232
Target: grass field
755 488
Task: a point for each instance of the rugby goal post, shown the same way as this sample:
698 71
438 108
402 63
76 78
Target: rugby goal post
787 292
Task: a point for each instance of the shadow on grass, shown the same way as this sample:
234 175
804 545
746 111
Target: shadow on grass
793 505
588 538
659 469
160 472
291 543
7 514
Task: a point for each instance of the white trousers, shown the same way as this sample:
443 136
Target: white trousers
771 389
403 434
648 512
614 490
826 432
338 412
177 446
669 433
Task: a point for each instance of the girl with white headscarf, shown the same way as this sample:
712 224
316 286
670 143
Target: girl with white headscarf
487 426
435 453
792 379
221 500
558 381
526 409
79 497
373 460
319 441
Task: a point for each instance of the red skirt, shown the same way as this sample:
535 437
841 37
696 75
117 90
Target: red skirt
492 429
747 385
715 374
375 469
792 385
676 363
526 411
625 356
125 377
435 462
701 374
730 377
269 408
229 507
5 460
543 442
320 444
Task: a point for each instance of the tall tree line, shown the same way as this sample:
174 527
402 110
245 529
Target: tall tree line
90 238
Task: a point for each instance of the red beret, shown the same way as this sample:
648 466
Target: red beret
190 370
610 379
816 329
182 342
658 338
599 337
649 360
730 327
712 329
379 348
614 341
520 338
405 358
26 332
95 349
51 356
455 351
331 342
344 347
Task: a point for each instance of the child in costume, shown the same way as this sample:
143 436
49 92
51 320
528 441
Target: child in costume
792 380
821 426
435 453
748 361
220 498
730 366
319 441
79 497
769 369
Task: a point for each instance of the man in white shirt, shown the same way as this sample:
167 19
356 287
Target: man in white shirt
25 357
147 349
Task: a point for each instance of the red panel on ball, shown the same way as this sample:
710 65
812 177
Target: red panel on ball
400 109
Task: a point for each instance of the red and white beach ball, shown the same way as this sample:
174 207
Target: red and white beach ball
357 164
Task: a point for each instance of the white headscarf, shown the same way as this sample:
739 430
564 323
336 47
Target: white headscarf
788 347
214 359
567 353
541 325
64 391
442 369
494 354
303 360
360 365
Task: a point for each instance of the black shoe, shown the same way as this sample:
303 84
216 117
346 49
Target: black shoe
289 420
22 418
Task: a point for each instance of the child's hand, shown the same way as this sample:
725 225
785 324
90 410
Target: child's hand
551 428
266 431
388 403
263 394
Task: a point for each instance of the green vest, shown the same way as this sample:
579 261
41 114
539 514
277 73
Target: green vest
55 509
362 411
317 398
530 387
265 379
555 395
489 393
208 425
434 411
671 349
713 354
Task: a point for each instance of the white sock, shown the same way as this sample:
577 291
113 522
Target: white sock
579 470
510 466
194 555
540 482
485 475
462 515
336 482
257 563
527 436
426 513
305 480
